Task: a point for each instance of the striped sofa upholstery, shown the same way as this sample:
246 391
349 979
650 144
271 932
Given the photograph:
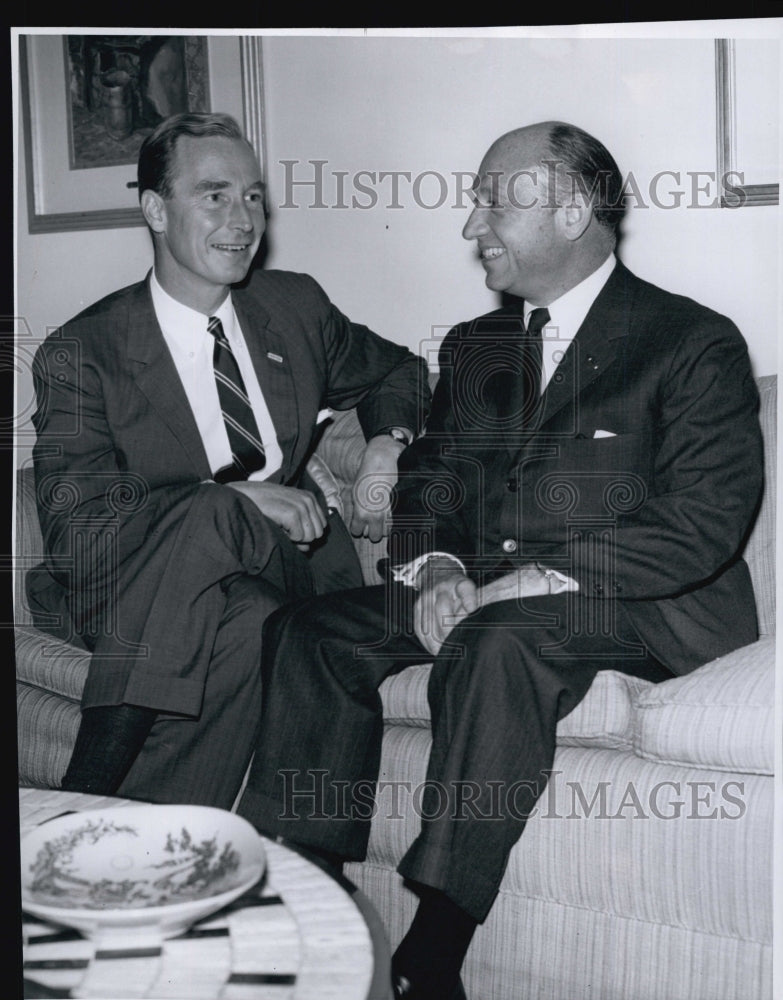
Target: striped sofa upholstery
646 872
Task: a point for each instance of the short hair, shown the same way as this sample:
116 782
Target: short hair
592 170
156 156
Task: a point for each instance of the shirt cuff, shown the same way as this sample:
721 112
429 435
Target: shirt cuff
407 573
558 582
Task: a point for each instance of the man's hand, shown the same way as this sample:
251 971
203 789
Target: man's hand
447 596
296 511
373 485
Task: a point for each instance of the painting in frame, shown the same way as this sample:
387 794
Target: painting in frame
88 101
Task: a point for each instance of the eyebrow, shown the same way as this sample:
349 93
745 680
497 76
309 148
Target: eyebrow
210 185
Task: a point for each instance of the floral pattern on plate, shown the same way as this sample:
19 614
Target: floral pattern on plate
189 869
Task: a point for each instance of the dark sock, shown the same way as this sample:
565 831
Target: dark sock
109 740
432 952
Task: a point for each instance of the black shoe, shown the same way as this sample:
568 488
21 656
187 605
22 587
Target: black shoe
404 990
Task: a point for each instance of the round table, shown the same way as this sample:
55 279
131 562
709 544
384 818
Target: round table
300 934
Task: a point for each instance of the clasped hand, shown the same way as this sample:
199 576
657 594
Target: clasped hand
373 486
448 596
296 511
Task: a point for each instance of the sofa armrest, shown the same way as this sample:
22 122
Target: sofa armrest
324 479
342 446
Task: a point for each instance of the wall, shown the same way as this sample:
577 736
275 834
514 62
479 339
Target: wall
434 104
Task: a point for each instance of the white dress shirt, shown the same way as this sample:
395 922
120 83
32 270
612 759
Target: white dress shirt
191 346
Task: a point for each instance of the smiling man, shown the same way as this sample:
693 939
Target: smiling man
578 503
175 422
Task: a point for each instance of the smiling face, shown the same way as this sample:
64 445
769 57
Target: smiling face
520 233
207 233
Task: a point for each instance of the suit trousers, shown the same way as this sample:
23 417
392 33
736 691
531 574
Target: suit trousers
184 635
498 687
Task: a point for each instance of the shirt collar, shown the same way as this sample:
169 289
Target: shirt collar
568 311
179 322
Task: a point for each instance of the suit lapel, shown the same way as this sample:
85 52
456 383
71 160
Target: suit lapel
156 376
593 349
270 353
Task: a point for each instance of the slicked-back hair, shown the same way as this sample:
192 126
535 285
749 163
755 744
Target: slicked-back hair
590 169
157 154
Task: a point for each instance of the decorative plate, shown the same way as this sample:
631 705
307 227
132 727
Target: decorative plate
158 867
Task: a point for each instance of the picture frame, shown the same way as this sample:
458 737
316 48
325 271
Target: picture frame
64 196
734 150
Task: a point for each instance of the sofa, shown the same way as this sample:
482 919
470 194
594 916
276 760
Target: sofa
646 872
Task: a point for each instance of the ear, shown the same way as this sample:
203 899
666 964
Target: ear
153 208
576 217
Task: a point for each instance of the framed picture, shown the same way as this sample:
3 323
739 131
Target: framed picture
747 130
88 101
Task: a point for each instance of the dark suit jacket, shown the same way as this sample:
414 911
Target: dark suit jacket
654 516
118 451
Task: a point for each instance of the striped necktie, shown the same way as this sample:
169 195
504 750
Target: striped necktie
247 450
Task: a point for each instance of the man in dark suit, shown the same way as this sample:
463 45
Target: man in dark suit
175 422
578 502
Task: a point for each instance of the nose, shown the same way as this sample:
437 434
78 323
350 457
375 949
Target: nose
241 217
475 226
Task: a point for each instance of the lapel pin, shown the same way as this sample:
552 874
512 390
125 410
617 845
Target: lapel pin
274 357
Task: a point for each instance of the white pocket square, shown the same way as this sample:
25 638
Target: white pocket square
604 434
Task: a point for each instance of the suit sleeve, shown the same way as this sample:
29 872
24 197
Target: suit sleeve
428 502
386 382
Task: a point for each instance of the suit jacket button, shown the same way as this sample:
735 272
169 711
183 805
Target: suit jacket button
617 587
598 589
512 485
509 546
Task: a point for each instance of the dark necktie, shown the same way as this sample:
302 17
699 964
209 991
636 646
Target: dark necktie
532 363
247 451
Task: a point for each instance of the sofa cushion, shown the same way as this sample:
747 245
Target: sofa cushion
604 718
721 716
404 697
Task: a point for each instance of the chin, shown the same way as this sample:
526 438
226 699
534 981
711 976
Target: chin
498 286
230 275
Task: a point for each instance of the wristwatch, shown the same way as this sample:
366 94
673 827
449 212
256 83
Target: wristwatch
399 435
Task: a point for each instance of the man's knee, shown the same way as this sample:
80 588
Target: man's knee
494 647
487 632
253 595
341 620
